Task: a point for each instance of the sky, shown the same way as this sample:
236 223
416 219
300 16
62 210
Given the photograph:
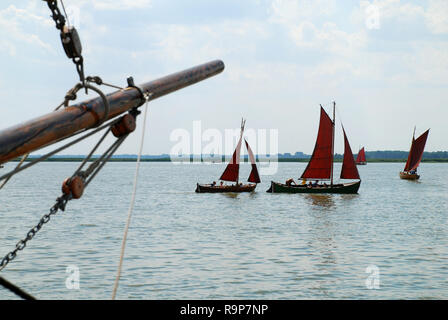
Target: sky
384 62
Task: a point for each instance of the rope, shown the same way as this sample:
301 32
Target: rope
16 290
131 207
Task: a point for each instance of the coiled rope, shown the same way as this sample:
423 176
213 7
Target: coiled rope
131 206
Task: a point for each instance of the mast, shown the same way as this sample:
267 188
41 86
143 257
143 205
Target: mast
332 143
243 122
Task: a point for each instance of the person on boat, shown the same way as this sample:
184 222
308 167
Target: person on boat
214 183
290 181
310 185
414 171
222 183
303 182
316 183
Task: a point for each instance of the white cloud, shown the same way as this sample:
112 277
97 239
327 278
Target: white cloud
295 11
328 38
112 4
13 22
437 16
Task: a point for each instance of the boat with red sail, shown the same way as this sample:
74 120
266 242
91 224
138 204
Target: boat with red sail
320 166
414 157
361 158
231 173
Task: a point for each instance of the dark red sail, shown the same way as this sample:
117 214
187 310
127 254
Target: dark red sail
361 156
349 169
416 152
321 161
232 170
254 176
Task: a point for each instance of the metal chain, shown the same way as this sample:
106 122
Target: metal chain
67 37
59 205
61 202
58 18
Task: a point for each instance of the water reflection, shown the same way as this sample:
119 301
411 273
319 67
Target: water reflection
231 195
321 200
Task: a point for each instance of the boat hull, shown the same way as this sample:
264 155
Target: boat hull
408 176
207 188
343 188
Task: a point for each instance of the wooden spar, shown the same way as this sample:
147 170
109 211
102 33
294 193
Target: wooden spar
58 125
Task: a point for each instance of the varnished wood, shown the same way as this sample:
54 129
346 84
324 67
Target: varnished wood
58 125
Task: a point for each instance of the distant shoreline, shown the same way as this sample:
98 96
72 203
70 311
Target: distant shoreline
70 159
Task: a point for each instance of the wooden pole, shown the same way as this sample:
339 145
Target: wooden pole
58 125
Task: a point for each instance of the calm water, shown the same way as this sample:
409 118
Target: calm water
183 245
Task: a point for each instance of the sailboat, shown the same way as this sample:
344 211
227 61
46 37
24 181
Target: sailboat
414 157
361 158
231 173
320 167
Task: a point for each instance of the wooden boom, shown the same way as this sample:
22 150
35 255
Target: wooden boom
55 126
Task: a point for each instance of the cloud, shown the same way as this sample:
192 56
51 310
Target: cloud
434 15
114 4
13 23
294 11
437 16
328 38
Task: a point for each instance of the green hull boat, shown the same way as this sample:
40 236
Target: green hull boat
343 188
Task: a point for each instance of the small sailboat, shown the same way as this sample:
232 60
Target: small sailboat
231 173
320 166
361 158
414 157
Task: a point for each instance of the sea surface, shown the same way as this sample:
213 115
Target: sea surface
390 241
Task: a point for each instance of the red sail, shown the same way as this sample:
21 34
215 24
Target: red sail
361 156
416 153
321 161
254 176
233 168
349 170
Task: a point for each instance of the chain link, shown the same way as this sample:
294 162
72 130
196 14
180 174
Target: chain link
58 18
59 205
67 37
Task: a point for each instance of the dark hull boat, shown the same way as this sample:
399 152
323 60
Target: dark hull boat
320 167
203 188
414 157
344 188
231 173
361 158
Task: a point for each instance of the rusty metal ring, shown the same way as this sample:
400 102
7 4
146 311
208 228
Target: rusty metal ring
103 97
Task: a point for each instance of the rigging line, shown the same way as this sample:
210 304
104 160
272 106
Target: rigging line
15 289
48 155
131 207
23 158
65 13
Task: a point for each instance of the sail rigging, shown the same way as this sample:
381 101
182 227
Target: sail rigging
320 165
416 152
231 173
349 169
232 170
254 176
